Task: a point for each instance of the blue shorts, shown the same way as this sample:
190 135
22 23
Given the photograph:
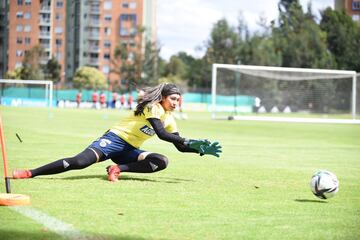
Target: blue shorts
116 149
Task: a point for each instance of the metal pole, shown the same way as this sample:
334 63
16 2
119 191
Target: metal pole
213 91
3 151
353 108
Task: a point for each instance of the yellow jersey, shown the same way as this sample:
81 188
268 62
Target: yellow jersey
137 129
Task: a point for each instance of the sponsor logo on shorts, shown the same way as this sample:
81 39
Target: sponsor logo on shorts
148 131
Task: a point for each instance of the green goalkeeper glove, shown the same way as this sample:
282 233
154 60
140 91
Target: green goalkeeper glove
197 144
212 149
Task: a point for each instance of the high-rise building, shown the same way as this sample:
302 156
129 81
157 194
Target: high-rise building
32 23
351 7
3 36
96 27
76 32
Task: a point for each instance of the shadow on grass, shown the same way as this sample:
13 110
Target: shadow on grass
123 178
309 201
37 234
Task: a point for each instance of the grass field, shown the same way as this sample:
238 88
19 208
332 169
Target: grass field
257 189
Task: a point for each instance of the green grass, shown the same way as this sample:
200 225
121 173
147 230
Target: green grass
258 189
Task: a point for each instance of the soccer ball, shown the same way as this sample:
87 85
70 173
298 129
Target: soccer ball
324 184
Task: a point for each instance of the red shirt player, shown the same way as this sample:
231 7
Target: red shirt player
102 99
122 100
130 101
78 99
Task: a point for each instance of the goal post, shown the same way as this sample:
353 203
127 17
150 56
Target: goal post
36 93
284 94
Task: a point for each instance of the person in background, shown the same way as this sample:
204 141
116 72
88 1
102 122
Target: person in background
95 99
78 98
130 101
102 100
122 101
114 99
121 143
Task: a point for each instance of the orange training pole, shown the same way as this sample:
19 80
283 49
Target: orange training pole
3 151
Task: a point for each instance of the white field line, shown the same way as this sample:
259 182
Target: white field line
63 229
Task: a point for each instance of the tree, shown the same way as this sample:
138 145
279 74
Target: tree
15 74
32 69
134 63
343 38
222 45
89 78
151 66
299 39
176 67
52 70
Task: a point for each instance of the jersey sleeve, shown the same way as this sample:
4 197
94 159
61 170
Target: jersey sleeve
154 111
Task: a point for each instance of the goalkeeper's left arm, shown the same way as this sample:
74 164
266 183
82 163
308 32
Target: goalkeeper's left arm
182 144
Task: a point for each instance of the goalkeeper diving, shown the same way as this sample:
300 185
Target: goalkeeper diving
121 143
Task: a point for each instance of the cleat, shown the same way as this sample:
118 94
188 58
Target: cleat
113 173
17 174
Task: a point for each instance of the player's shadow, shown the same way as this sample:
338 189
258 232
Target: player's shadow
128 178
309 201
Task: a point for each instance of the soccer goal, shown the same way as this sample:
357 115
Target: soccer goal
244 92
31 93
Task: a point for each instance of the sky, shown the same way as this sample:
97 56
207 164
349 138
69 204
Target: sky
185 25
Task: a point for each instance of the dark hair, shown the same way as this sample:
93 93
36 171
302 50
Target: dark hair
154 95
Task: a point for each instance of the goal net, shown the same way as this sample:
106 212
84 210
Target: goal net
284 94
29 93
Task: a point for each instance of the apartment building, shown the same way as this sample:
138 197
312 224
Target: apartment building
36 22
351 7
3 36
96 27
76 32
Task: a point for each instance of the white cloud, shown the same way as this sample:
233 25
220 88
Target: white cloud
184 25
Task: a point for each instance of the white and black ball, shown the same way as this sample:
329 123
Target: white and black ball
324 184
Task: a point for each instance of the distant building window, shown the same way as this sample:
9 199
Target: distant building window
132 5
19 40
107 56
107 31
20 2
107 18
19 53
125 5
19 28
58 30
58 17
58 56
107 44
106 69
131 56
107 5
27 15
19 15
27 2
59 4
27 40
356 5
58 42
356 18
128 23
27 28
